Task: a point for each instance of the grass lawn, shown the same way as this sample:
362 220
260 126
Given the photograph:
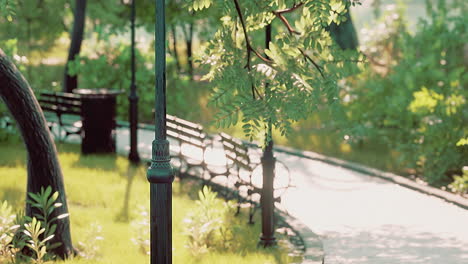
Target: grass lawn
105 193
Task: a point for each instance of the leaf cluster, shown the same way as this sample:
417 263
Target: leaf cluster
36 233
46 202
284 82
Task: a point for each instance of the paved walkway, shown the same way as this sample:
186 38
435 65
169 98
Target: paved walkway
364 219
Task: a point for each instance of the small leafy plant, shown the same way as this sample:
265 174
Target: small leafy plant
207 223
34 230
7 230
19 232
46 203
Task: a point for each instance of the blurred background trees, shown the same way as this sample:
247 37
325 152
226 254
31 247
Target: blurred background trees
405 111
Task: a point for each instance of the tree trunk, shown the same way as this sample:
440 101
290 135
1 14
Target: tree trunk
174 46
267 203
43 166
188 41
71 82
345 34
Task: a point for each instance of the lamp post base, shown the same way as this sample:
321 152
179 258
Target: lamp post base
267 242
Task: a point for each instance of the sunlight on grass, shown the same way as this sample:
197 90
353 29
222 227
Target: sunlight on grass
106 191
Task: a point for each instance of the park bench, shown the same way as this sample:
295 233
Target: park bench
247 183
63 109
188 144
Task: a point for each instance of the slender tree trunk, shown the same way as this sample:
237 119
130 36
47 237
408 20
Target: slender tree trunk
267 238
28 35
188 41
174 46
345 34
71 82
43 166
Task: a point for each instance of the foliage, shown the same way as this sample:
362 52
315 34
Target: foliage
18 231
7 231
207 225
109 66
8 130
33 230
424 113
7 9
460 183
10 47
25 21
45 203
297 74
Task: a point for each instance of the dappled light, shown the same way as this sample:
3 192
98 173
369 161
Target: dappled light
207 132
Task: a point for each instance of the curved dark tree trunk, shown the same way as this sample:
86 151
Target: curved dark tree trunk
43 166
71 82
345 34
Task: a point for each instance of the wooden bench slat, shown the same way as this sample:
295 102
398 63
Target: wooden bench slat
62 105
60 95
60 102
187 133
184 123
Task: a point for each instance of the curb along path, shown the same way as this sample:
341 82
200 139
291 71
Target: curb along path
447 196
365 219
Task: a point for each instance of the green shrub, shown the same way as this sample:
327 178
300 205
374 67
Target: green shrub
414 96
460 183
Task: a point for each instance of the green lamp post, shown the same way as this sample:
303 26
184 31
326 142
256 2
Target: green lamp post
160 173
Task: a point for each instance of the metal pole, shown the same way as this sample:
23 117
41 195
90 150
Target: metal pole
133 99
160 174
267 203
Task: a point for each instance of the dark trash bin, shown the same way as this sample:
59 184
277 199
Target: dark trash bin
98 115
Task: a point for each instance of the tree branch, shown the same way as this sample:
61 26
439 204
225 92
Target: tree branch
312 61
286 23
246 36
288 10
249 48
373 60
279 14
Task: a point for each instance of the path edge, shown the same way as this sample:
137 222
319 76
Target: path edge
400 180
313 246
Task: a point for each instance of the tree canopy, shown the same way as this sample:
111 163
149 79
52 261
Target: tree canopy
287 81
